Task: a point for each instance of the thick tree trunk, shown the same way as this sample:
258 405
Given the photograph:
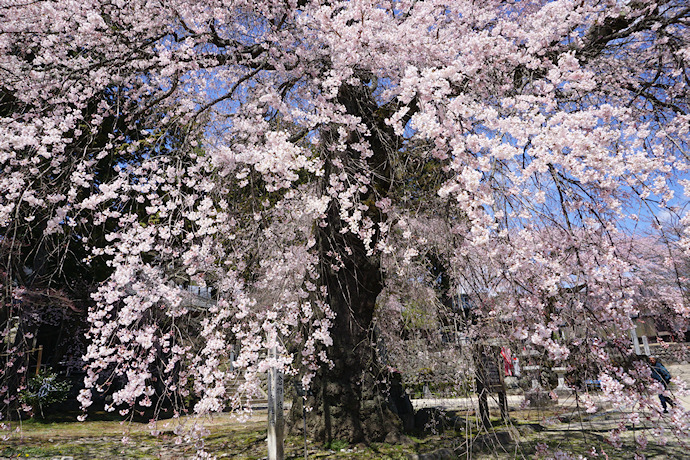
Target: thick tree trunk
350 400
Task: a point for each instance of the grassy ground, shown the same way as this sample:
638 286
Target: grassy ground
527 432
226 438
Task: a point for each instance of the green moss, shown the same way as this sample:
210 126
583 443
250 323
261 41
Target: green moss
337 444
228 439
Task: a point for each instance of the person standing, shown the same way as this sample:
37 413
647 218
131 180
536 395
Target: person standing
662 375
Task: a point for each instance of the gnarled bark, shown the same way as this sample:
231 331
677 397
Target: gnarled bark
349 400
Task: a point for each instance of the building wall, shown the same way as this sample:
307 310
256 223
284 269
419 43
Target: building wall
671 353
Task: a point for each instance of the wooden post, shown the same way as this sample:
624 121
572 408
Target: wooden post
503 403
38 360
484 405
645 345
489 377
304 420
275 411
636 343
